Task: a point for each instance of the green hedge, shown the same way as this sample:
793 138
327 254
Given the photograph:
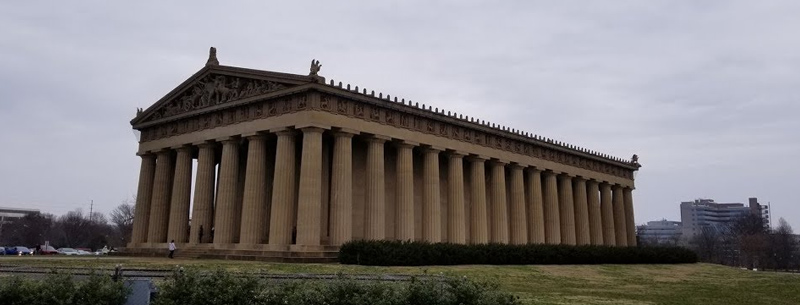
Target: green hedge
192 288
57 288
416 253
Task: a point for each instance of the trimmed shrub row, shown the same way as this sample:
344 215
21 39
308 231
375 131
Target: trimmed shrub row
418 253
192 288
58 288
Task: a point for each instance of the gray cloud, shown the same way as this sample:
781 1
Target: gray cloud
706 93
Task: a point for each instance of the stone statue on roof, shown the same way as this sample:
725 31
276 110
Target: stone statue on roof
635 159
212 57
314 72
315 66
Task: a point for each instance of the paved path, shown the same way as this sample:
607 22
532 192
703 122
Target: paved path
152 273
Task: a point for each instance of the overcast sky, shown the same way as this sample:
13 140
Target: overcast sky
707 93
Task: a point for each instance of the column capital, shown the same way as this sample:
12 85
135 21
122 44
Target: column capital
145 155
566 175
255 136
225 140
580 178
164 151
498 162
515 165
565 178
405 143
312 129
533 169
184 147
372 136
204 143
304 126
283 131
344 130
550 173
456 154
431 149
477 158
341 133
377 139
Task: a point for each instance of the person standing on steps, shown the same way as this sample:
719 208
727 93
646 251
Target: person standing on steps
171 248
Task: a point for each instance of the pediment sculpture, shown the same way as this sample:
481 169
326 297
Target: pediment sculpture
214 90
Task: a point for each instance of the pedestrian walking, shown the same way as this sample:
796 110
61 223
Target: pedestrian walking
171 248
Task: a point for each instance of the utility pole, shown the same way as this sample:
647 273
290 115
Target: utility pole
91 208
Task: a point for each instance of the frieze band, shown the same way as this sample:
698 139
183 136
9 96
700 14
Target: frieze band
373 113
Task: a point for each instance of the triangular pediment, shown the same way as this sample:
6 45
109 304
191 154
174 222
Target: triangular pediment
215 86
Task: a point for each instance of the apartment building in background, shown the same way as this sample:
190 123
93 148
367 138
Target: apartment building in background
706 212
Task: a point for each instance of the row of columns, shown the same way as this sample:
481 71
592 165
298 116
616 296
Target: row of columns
534 207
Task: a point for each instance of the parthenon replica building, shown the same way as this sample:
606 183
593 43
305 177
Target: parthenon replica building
292 165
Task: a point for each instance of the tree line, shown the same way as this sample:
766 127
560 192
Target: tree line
75 229
747 242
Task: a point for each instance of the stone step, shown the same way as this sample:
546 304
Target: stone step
239 254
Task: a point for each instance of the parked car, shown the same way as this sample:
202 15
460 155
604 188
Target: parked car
102 251
18 250
83 252
47 250
2 250
67 251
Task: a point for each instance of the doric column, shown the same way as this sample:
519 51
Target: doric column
519 228
595 216
552 216
499 233
620 226
309 202
203 208
607 212
456 226
254 208
141 217
431 204
224 226
162 187
581 212
566 210
479 230
535 207
283 190
629 222
375 205
405 192
181 193
342 189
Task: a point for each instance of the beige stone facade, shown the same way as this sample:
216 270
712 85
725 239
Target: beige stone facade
293 163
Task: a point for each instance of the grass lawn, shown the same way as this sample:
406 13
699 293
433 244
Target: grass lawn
585 284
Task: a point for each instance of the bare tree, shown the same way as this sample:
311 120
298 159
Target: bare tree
708 244
31 230
75 229
783 248
750 235
122 219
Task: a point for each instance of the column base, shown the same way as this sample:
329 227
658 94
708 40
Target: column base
306 248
